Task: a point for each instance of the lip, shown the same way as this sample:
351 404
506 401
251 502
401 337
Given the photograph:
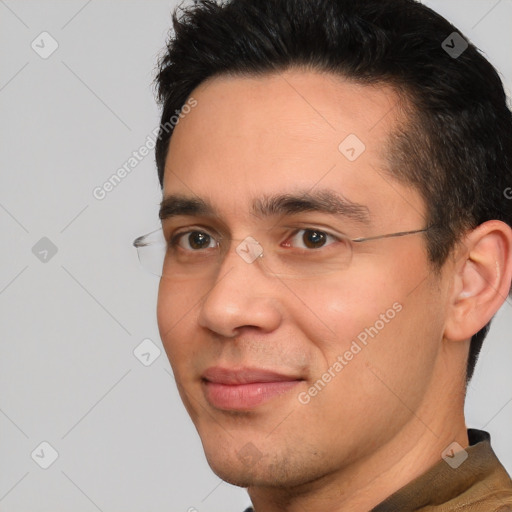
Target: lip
244 388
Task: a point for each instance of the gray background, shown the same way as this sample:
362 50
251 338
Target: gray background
70 324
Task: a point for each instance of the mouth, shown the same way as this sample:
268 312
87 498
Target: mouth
244 388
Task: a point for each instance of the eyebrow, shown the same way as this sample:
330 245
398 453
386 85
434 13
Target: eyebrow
322 201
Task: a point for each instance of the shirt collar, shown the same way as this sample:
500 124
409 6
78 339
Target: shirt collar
448 486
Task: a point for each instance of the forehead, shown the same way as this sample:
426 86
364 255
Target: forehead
281 132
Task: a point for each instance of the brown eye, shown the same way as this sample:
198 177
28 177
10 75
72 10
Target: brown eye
313 239
193 240
310 238
198 240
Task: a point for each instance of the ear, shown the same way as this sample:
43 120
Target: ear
482 277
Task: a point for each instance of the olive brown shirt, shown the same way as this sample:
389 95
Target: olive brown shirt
473 483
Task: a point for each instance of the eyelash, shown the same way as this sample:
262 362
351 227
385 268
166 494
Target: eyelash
175 238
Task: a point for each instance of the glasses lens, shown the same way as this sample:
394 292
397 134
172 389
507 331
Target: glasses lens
307 254
151 250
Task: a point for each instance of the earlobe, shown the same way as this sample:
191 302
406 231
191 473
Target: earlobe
482 278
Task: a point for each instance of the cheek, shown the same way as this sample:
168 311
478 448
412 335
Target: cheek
372 307
175 310
166 310
387 341
336 312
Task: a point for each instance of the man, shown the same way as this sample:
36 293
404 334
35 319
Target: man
338 240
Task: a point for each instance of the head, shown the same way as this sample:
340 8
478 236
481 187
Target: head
277 89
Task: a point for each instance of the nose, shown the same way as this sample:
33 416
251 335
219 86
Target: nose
242 296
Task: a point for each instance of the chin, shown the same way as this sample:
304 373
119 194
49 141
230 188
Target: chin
236 473
238 480
248 468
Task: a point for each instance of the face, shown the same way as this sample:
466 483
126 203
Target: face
288 379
